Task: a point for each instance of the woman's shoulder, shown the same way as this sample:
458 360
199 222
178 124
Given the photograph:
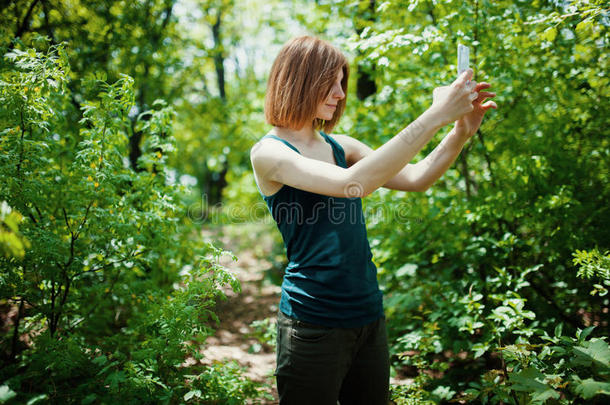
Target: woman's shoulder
270 143
341 139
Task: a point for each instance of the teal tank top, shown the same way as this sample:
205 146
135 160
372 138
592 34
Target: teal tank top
330 279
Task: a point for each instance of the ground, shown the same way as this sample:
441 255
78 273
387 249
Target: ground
253 245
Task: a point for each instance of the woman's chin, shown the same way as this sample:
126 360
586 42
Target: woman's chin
326 117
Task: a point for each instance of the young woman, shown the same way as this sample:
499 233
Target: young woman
331 343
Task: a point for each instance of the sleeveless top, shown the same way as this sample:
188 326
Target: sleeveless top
330 279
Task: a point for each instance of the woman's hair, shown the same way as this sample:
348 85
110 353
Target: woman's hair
302 77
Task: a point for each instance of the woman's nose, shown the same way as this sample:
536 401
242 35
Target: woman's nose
338 92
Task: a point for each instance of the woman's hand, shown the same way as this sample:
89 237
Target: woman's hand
453 101
468 124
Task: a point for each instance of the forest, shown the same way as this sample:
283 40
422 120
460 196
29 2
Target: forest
134 240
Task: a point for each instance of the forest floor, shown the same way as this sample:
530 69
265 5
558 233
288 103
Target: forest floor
258 300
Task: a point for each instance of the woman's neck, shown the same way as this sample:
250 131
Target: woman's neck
305 136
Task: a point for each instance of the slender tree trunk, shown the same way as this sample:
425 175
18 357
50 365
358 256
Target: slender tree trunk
15 341
47 24
156 35
365 83
217 180
23 26
464 165
219 56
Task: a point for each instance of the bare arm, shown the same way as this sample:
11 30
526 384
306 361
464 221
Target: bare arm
422 175
413 177
274 161
427 171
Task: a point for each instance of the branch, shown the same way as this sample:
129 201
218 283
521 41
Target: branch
78 231
574 321
543 19
101 166
18 174
15 341
487 159
93 307
38 211
46 20
464 164
65 296
32 218
67 222
131 256
52 314
24 23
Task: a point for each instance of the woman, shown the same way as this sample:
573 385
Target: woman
332 343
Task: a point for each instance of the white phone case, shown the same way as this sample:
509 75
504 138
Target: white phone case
463 58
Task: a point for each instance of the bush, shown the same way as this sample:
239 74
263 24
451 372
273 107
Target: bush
114 290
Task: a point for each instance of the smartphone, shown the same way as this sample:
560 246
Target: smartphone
463 58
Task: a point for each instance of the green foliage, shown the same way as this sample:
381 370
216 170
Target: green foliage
557 367
106 271
12 243
218 384
115 291
265 331
594 264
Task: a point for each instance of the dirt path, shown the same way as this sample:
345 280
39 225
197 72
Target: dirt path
258 300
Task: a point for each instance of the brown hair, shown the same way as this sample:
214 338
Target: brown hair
301 77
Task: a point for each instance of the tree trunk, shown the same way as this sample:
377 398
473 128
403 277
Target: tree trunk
217 180
219 56
365 83
15 342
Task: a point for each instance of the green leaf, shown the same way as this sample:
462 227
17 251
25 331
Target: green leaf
6 393
407 269
115 379
589 388
37 399
88 399
532 381
594 351
100 360
191 394
558 330
479 349
583 25
582 336
549 34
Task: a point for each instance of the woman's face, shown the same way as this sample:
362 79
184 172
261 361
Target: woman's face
326 109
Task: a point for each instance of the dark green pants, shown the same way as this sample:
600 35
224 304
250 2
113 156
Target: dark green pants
318 365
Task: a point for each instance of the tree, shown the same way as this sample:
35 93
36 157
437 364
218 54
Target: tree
116 288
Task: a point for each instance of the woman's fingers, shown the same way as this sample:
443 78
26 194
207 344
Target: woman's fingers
488 105
471 86
482 86
485 94
464 77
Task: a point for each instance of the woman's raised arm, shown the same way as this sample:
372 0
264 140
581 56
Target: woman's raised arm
274 161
